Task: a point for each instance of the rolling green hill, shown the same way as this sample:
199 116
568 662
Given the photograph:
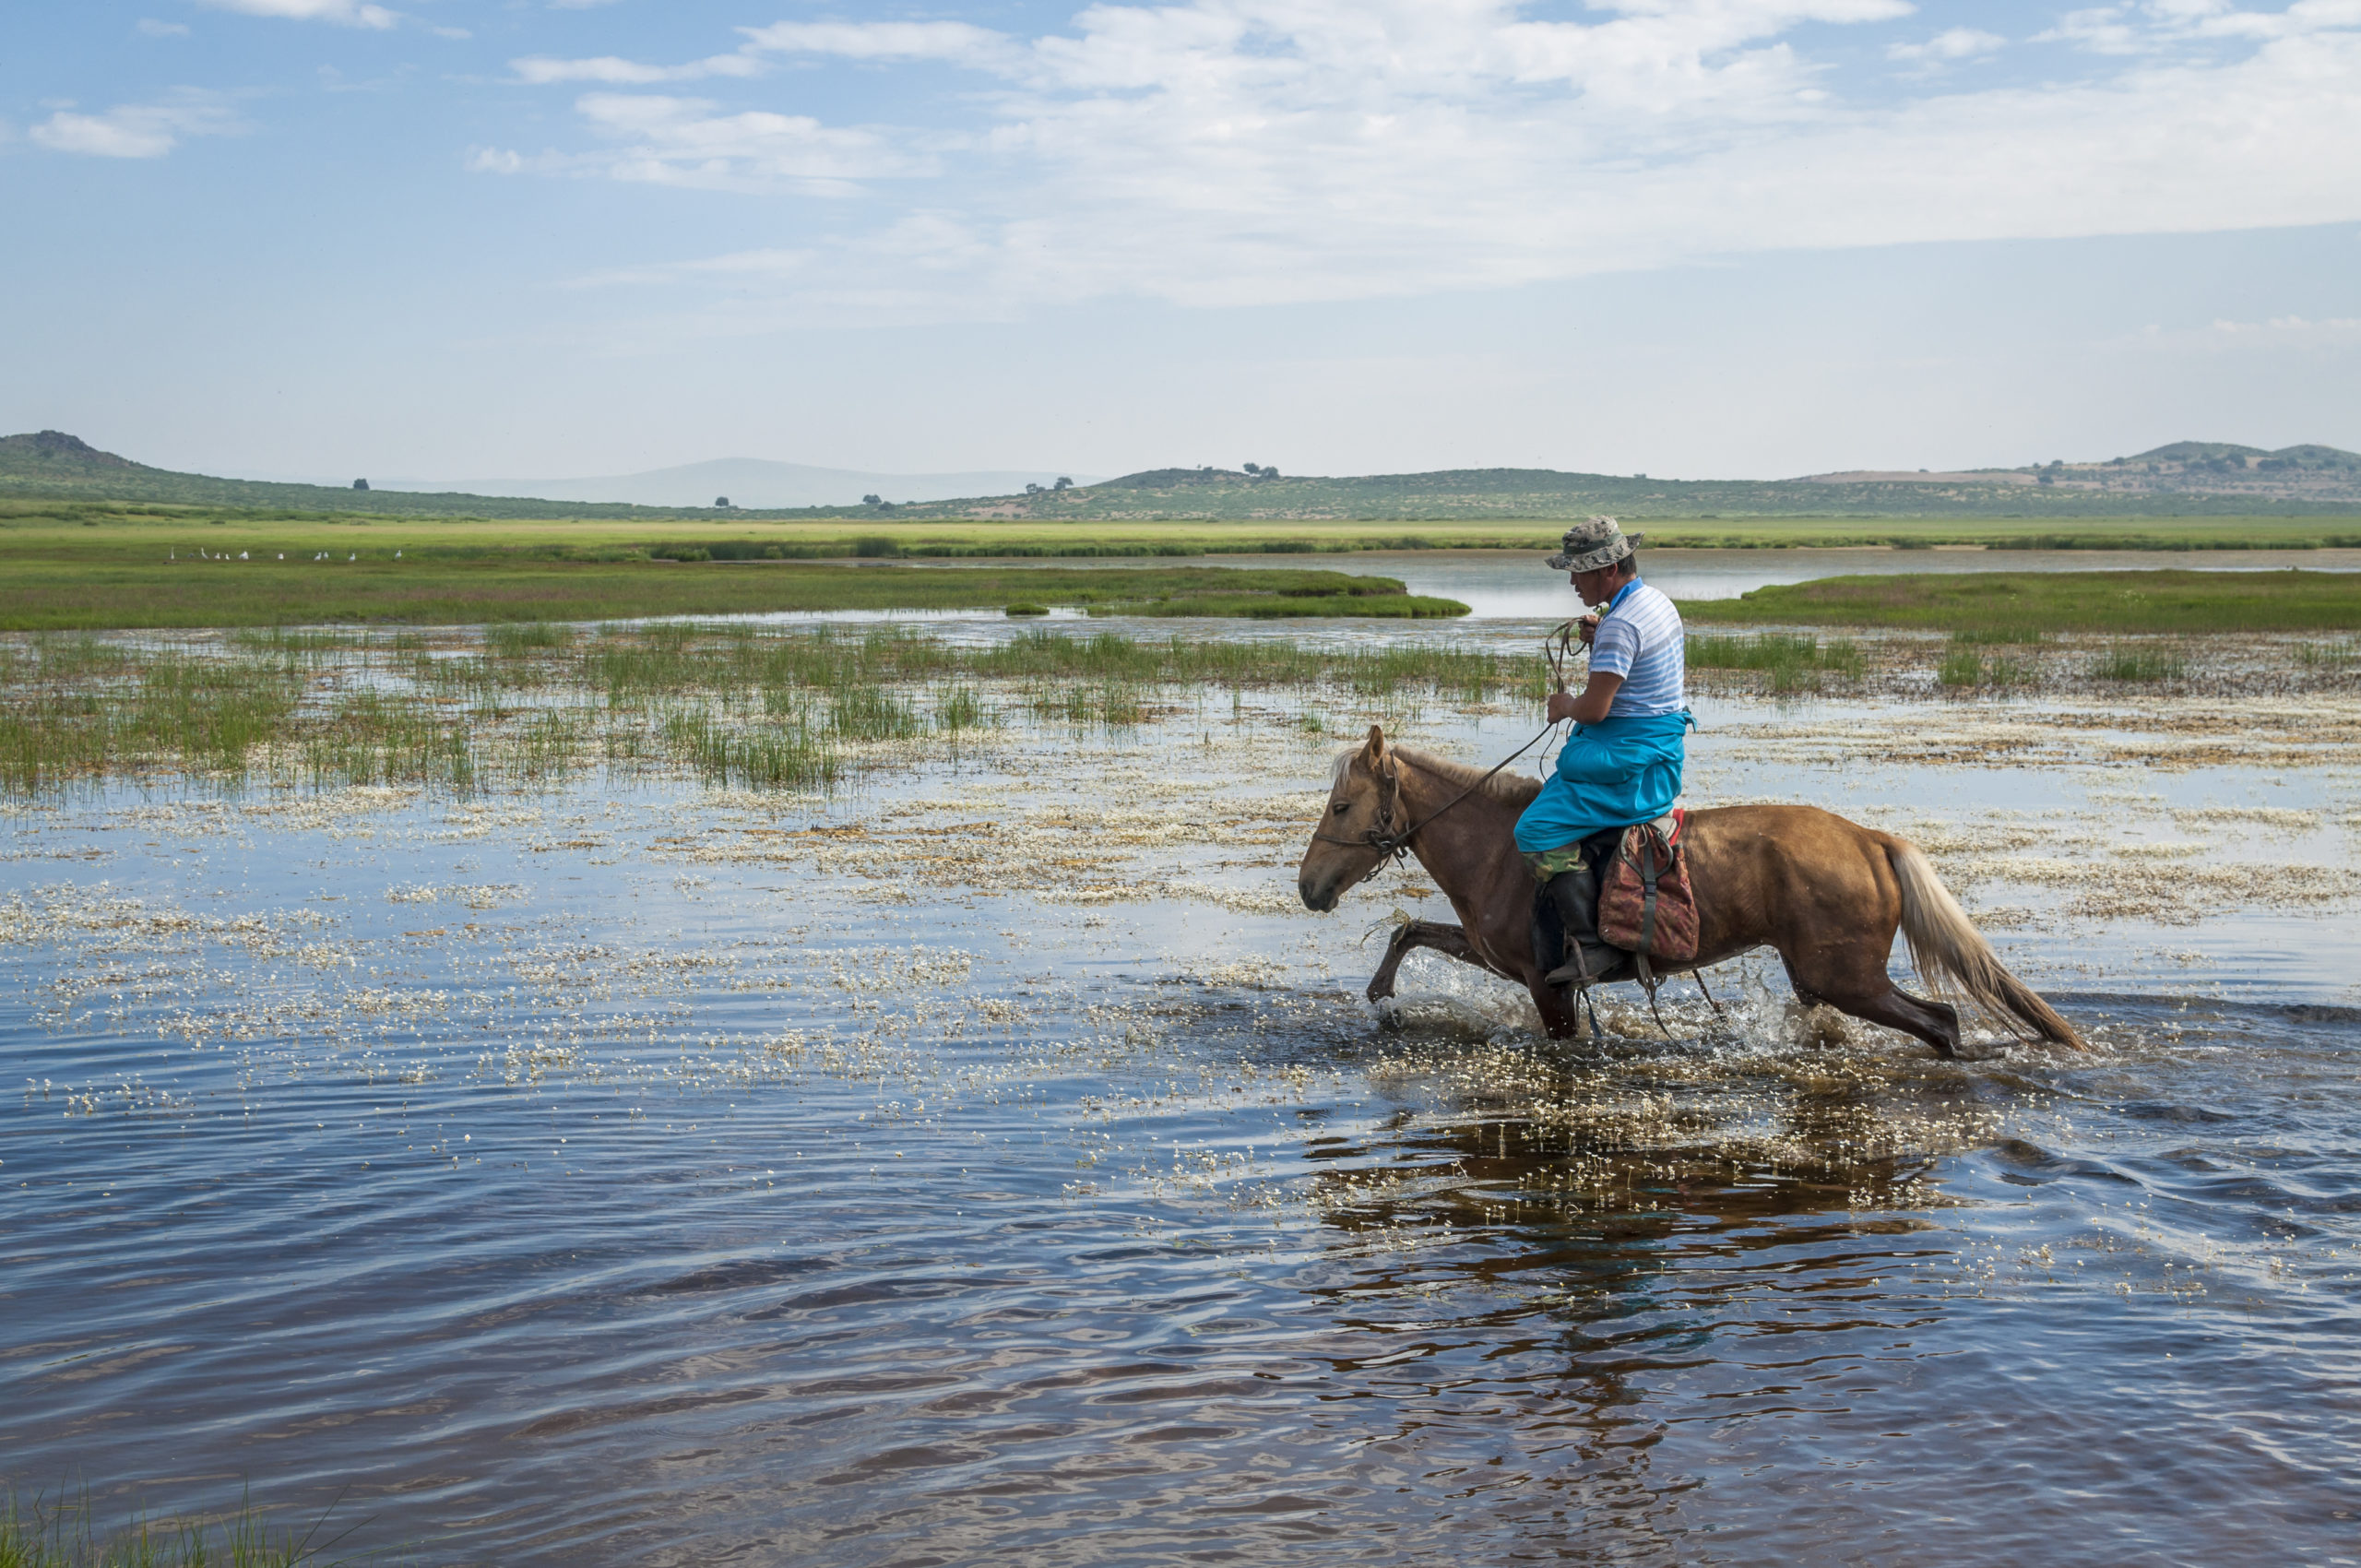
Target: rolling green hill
54 465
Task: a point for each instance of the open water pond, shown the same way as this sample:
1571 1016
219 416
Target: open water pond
990 1160
1517 585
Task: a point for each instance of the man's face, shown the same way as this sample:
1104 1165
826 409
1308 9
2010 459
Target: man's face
1596 587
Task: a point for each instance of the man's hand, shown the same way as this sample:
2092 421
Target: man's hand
1587 628
1592 705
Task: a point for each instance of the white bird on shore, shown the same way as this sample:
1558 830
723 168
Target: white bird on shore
242 555
352 557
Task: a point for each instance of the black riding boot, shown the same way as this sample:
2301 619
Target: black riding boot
1573 895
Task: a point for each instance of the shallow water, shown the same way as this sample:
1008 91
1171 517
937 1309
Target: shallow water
994 1161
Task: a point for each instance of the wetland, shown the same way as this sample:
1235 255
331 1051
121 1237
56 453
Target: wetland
803 1094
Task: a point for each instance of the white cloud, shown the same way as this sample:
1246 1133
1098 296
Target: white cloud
1954 44
149 27
683 141
137 130
1239 151
955 42
541 69
2158 26
347 12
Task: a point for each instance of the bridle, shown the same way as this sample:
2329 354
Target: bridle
1381 836
1558 647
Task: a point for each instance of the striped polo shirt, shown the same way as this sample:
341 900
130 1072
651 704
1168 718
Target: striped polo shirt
1641 638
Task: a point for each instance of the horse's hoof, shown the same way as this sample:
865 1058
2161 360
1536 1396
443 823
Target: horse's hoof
1389 1015
1975 1051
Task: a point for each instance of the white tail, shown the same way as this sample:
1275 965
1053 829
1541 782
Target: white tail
1949 951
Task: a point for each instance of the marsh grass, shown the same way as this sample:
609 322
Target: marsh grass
523 639
1965 666
1986 637
755 707
61 582
2023 606
872 713
305 644
765 755
47 1534
2327 656
372 738
961 710
1794 661
2138 664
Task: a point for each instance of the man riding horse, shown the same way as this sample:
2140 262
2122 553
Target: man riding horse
1621 764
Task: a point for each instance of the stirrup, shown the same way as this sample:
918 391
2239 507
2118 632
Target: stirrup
1577 970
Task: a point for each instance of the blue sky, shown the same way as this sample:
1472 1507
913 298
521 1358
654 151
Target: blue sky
459 238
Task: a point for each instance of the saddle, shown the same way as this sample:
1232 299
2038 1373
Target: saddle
1646 904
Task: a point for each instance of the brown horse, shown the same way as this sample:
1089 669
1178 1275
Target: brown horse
1826 893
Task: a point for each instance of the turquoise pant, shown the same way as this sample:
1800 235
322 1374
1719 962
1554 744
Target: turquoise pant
1610 774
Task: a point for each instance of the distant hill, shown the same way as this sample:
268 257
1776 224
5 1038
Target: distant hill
2186 478
749 483
54 465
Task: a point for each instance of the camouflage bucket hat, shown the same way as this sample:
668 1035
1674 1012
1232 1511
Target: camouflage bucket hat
1588 546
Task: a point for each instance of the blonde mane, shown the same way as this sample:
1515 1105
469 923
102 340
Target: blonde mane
1509 786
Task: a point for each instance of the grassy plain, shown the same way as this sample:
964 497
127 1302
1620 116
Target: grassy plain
150 572
142 525
1986 607
91 566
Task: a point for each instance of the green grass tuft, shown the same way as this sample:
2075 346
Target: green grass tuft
2138 664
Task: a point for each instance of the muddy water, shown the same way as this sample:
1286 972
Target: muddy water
994 1162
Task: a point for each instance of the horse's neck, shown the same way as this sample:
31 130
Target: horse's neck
1470 849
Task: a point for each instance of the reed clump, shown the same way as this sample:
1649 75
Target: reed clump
1794 661
2139 664
1965 666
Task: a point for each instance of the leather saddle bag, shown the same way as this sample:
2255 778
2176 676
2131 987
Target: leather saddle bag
1645 905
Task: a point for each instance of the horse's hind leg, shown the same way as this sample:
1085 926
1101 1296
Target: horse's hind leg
1934 1022
1855 981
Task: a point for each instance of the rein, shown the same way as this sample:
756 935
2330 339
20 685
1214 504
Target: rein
1386 842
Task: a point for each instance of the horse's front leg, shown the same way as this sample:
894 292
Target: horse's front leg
1450 941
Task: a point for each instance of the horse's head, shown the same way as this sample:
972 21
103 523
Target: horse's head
1366 802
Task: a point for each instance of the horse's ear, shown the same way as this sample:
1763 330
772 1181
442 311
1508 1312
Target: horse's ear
1374 753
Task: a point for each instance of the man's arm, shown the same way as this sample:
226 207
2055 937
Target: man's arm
1590 706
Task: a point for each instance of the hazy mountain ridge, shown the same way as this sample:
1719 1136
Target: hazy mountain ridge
2182 479
757 483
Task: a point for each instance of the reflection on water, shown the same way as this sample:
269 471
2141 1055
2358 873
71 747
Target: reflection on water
558 1185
